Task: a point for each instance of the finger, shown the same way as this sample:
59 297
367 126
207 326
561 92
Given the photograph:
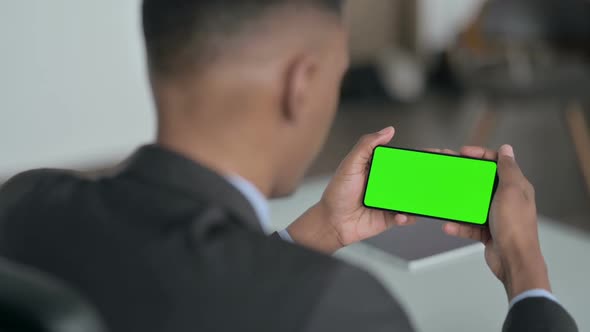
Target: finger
508 169
433 150
450 152
363 150
479 153
466 232
444 151
401 219
412 220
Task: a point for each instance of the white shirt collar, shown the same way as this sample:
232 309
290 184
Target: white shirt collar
255 198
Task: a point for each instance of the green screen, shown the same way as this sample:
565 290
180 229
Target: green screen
433 185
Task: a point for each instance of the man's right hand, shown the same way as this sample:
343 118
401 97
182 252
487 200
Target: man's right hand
512 245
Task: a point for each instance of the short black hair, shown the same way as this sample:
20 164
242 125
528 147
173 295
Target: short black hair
179 33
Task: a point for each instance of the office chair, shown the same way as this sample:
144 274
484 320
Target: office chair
33 302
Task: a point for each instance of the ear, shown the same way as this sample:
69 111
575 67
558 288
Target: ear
299 86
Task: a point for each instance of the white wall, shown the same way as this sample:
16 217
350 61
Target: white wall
440 21
372 28
72 83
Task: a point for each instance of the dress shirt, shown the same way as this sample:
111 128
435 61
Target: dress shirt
259 203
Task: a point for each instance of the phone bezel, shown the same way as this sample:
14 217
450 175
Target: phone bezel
495 187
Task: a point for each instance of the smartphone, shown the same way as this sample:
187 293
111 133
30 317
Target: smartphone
453 188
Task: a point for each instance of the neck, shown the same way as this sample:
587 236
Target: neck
220 124
223 153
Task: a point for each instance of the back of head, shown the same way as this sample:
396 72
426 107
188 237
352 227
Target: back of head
181 33
249 86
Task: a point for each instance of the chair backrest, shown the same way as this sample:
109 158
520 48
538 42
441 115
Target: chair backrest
33 302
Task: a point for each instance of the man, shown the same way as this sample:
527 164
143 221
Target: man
173 241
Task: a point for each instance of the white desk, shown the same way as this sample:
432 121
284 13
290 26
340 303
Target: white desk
458 293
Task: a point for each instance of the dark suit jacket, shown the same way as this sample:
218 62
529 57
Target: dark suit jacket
167 245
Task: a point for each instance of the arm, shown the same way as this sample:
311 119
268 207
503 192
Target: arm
538 314
354 301
512 245
513 251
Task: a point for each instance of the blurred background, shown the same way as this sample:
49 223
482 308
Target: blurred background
73 93
456 72
444 73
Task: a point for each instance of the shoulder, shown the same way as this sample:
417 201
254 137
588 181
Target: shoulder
32 207
37 178
338 296
26 186
354 300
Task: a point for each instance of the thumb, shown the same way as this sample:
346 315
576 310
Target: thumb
360 155
508 169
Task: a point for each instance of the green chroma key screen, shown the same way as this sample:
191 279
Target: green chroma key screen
431 185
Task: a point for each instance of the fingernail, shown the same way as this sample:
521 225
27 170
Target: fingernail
384 131
452 229
402 219
507 150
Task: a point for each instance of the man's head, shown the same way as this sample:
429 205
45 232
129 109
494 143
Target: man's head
248 86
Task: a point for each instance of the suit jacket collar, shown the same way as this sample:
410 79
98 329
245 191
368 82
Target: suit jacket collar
166 168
